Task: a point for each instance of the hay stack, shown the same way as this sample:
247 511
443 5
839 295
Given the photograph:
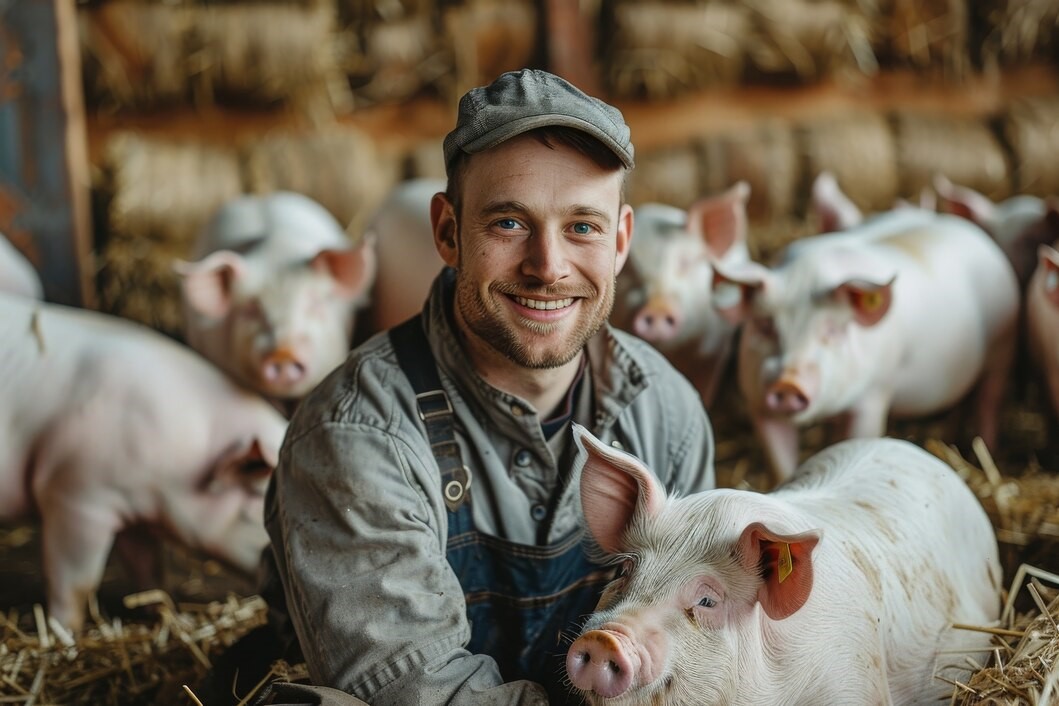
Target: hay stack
160 195
1015 33
670 175
487 38
766 157
859 150
930 35
662 49
341 168
1031 128
964 150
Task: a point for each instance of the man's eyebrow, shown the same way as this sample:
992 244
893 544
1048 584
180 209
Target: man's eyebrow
499 207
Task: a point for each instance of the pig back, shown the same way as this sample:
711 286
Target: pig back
907 543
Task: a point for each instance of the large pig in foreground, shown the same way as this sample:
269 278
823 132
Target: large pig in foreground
106 425
1019 224
271 297
408 260
17 275
666 289
1042 320
900 315
837 588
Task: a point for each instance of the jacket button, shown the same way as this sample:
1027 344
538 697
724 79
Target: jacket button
523 457
538 512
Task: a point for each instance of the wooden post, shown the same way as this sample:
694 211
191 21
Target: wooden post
571 39
44 175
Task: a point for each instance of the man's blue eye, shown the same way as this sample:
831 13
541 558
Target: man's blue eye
508 224
582 228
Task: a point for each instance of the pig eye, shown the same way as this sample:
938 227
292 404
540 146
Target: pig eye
706 602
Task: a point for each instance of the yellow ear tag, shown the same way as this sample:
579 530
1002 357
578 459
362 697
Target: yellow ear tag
786 565
870 301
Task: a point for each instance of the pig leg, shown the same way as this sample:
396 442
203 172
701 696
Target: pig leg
868 419
990 393
76 540
780 438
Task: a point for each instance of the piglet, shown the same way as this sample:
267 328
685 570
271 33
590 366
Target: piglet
1042 319
107 426
837 588
902 314
666 289
272 294
17 275
1019 224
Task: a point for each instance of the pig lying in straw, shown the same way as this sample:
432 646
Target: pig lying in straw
272 295
106 425
667 285
900 315
1042 320
17 276
837 588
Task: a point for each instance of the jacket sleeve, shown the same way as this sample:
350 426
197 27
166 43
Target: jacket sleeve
361 555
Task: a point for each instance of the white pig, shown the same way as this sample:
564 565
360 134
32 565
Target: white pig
408 260
272 296
1042 319
17 275
1019 224
899 315
666 290
839 587
107 425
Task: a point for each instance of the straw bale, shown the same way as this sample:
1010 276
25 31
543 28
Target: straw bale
161 193
269 52
859 150
811 39
342 169
930 34
487 38
965 150
669 175
766 157
660 49
1018 32
135 54
1031 128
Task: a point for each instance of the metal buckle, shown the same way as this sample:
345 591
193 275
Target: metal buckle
434 413
455 490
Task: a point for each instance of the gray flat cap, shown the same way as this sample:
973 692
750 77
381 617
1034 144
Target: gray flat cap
519 101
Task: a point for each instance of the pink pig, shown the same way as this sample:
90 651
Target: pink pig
17 275
900 315
839 587
106 426
1019 224
666 290
1042 319
272 296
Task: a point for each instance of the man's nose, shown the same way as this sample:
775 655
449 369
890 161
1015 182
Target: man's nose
546 258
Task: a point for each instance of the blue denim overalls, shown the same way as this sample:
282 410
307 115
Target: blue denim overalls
525 603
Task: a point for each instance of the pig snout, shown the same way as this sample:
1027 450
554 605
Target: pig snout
787 396
282 367
658 320
598 662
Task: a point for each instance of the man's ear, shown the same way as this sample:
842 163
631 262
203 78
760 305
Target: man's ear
624 238
443 221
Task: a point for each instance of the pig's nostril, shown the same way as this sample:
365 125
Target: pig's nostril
613 666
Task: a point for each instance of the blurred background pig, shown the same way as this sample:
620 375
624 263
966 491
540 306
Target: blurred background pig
902 314
1042 321
17 275
106 426
408 260
272 295
837 588
666 289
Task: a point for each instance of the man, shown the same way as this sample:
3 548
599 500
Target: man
425 514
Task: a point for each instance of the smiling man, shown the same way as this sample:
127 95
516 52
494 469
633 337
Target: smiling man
425 516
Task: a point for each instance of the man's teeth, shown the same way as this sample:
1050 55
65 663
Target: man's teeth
544 305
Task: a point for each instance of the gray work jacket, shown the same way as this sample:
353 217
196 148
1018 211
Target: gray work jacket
358 523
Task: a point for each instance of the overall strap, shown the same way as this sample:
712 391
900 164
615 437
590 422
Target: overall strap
435 410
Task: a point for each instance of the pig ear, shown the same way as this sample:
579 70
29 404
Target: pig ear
834 210
868 300
207 284
353 269
1048 261
734 289
721 220
614 485
962 201
785 565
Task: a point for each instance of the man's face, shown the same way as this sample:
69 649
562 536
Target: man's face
539 241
